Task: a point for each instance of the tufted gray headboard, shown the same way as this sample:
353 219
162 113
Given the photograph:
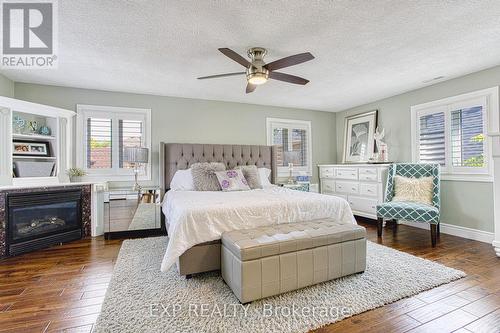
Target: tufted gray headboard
180 156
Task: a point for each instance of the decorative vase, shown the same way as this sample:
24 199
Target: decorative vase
75 179
44 130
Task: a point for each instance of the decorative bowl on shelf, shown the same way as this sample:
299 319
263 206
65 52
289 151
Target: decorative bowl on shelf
44 130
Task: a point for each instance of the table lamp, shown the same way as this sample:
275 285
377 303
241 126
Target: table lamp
136 156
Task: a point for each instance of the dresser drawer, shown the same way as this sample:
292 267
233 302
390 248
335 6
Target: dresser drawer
363 205
325 172
368 171
370 174
370 190
346 173
343 196
327 186
367 177
347 187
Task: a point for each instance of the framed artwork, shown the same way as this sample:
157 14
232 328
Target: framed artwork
30 148
359 142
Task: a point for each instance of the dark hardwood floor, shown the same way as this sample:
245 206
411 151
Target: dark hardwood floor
62 288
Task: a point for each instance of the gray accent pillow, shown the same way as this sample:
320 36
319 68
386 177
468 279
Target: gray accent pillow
251 174
204 177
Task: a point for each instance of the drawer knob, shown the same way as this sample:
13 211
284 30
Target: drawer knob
353 188
369 190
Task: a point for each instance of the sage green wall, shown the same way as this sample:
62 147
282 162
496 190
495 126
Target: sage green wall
6 87
467 204
194 121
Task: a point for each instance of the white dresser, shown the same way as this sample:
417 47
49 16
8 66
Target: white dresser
362 185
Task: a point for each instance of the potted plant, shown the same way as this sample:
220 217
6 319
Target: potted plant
75 174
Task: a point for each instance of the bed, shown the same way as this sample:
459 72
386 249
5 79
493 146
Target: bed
196 220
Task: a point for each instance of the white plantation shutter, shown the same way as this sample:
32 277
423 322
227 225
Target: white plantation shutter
99 143
432 138
452 132
103 132
467 137
292 141
130 134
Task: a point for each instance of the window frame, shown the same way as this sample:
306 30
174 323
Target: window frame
115 173
488 99
272 123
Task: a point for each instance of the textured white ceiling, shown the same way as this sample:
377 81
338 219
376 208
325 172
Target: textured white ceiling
365 50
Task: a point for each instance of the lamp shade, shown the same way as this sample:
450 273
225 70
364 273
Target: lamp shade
135 154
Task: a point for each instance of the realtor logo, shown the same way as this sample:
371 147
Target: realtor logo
29 32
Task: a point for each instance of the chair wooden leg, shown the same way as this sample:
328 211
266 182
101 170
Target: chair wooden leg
434 234
380 224
439 230
394 226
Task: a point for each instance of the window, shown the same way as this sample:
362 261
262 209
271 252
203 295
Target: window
452 132
102 134
292 139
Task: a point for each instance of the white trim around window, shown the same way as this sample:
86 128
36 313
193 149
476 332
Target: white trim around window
488 100
272 123
115 173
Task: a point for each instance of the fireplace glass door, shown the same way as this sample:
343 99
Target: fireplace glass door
39 215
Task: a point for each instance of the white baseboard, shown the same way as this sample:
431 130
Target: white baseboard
455 230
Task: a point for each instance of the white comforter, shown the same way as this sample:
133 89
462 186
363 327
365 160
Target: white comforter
198 217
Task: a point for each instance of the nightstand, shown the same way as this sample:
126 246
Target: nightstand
304 187
132 213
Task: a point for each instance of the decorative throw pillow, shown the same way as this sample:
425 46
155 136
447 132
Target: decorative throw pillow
252 176
232 180
413 189
182 181
204 177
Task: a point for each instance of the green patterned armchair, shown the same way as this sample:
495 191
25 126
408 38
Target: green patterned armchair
411 211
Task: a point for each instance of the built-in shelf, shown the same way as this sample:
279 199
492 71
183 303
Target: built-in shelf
33 136
51 158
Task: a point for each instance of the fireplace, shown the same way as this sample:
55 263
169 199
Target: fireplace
39 219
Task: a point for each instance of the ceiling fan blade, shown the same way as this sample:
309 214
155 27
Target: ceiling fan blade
235 56
287 78
289 61
220 75
250 88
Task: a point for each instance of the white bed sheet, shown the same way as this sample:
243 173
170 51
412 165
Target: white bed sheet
199 217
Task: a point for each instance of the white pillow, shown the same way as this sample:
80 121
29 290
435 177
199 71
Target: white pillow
413 189
182 181
264 174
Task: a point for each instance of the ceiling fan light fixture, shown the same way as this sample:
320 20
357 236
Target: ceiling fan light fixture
257 78
257 75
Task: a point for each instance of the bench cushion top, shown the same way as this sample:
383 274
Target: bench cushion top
249 244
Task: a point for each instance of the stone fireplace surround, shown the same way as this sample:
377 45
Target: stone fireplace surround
86 208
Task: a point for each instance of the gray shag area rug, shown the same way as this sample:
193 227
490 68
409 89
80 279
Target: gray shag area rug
140 298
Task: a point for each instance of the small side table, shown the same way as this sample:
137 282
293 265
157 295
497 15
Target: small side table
130 213
304 187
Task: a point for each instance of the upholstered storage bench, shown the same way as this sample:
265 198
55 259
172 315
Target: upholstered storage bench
272 260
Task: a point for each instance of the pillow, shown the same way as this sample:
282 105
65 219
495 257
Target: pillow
182 181
264 174
232 180
252 176
204 177
413 189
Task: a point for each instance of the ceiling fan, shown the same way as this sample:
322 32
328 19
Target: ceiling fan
258 72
